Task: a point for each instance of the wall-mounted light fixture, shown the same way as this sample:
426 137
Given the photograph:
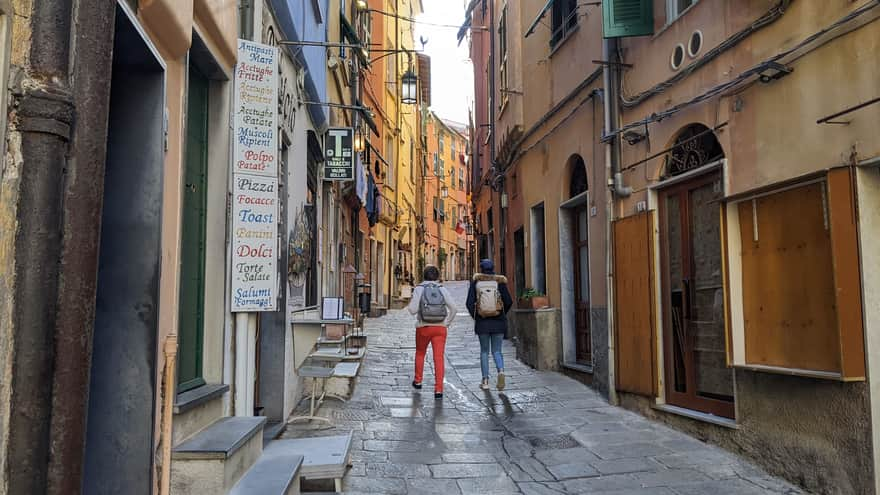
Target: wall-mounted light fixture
772 71
408 88
358 141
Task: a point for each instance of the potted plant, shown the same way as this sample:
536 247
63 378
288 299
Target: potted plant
533 299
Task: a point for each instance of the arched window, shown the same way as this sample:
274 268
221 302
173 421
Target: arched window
578 177
695 146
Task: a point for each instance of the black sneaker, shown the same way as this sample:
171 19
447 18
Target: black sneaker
416 385
438 395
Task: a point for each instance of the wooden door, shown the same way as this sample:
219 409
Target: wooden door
583 333
192 265
697 376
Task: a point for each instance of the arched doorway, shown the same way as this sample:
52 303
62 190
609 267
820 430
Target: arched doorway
574 265
697 376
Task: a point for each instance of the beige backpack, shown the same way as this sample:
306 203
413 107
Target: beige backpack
489 302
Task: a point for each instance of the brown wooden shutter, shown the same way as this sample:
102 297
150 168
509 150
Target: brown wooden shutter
634 329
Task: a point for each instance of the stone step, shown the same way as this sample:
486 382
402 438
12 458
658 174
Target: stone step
324 457
276 472
213 460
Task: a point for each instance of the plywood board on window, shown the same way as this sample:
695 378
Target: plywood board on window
847 273
635 361
788 291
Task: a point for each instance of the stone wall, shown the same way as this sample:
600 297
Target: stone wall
815 433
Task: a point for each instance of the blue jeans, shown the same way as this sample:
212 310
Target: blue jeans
494 341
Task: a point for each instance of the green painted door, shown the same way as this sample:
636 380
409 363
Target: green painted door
192 263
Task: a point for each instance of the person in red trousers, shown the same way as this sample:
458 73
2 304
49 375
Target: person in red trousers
433 307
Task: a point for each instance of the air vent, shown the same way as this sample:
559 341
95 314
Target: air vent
677 57
695 44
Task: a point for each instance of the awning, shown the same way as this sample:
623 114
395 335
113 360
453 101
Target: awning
538 18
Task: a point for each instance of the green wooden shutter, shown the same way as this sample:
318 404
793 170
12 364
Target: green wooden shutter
624 18
192 264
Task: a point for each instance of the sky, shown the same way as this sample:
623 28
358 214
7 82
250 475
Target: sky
452 77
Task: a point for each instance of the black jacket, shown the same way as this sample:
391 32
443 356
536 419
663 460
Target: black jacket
497 324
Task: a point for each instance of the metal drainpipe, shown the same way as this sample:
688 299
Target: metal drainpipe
618 189
40 120
83 198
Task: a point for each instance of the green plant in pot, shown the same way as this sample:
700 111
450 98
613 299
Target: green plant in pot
533 299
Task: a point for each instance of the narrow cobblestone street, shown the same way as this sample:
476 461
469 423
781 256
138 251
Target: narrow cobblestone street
544 434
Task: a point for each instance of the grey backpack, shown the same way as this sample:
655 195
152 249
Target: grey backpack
432 307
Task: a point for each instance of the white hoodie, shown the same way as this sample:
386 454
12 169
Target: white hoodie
415 302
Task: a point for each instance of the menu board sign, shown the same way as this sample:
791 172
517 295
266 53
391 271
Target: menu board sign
255 180
256 110
339 154
254 243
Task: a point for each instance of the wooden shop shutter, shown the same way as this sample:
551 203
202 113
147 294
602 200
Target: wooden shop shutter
623 18
802 306
635 335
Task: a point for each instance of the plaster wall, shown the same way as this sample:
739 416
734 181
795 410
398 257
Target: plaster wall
771 136
553 73
868 193
548 159
216 314
169 25
826 451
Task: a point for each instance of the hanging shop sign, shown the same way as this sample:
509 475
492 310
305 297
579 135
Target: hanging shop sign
254 261
256 110
339 155
254 243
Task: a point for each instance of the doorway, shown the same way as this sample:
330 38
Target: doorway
119 435
581 249
697 376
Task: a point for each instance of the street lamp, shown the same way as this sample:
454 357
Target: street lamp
358 141
408 85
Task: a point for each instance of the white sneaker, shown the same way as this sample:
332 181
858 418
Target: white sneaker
484 384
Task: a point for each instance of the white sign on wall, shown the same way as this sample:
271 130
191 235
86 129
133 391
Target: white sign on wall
254 243
256 110
255 179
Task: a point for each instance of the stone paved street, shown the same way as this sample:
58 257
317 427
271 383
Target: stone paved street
544 434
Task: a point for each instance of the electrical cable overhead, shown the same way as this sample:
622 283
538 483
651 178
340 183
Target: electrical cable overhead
753 71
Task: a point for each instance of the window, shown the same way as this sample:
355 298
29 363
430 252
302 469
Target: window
389 156
452 149
436 206
674 8
390 68
539 270
412 161
565 18
442 169
786 317
502 51
436 165
441 139
366 30
622 18
461 179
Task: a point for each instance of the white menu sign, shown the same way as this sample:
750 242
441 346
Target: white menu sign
256 110
254 243
255 179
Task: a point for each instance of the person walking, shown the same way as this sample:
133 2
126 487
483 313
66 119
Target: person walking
488 302
433 307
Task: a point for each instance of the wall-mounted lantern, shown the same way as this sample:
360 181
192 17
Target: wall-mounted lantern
408 88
